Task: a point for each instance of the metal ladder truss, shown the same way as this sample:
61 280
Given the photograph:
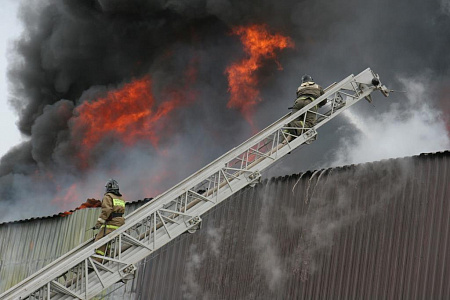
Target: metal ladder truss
82 274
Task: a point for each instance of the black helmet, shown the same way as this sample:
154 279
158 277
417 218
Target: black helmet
307 78
112 187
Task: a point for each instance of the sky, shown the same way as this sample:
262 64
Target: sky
148 92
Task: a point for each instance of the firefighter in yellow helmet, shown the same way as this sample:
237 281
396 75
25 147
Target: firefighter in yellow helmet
111 217
307 92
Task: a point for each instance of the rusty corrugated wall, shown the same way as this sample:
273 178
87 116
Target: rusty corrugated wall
372 231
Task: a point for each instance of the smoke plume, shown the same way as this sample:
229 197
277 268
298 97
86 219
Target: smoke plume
139 90
406 129
132 90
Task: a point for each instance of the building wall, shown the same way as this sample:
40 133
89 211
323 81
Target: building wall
27 246
369 231
373 231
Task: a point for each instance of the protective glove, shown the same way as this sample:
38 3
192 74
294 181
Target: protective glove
99 223
322 103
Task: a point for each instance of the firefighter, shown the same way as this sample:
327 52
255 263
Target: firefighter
111 217
307 92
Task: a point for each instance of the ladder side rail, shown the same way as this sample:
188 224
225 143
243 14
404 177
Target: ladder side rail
111 237
137 254
349 101
250 139
133 255
238 185
50 270
78 256
320 125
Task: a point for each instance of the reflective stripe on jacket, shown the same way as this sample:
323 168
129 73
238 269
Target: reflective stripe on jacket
110 227
119 202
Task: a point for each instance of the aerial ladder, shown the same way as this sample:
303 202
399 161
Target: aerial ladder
83 274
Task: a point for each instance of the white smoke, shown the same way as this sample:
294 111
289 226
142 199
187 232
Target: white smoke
191 287
445 7
214 239
404 130
269 259
323 219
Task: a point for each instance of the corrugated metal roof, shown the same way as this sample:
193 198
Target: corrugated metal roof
140 202
66 213
375 230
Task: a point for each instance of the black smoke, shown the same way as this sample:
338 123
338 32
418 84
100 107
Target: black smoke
72 50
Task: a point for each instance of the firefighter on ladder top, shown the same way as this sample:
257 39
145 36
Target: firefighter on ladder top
307 92
111 216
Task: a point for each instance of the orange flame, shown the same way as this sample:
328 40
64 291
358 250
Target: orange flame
259 44
129 113
126 112
90 203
